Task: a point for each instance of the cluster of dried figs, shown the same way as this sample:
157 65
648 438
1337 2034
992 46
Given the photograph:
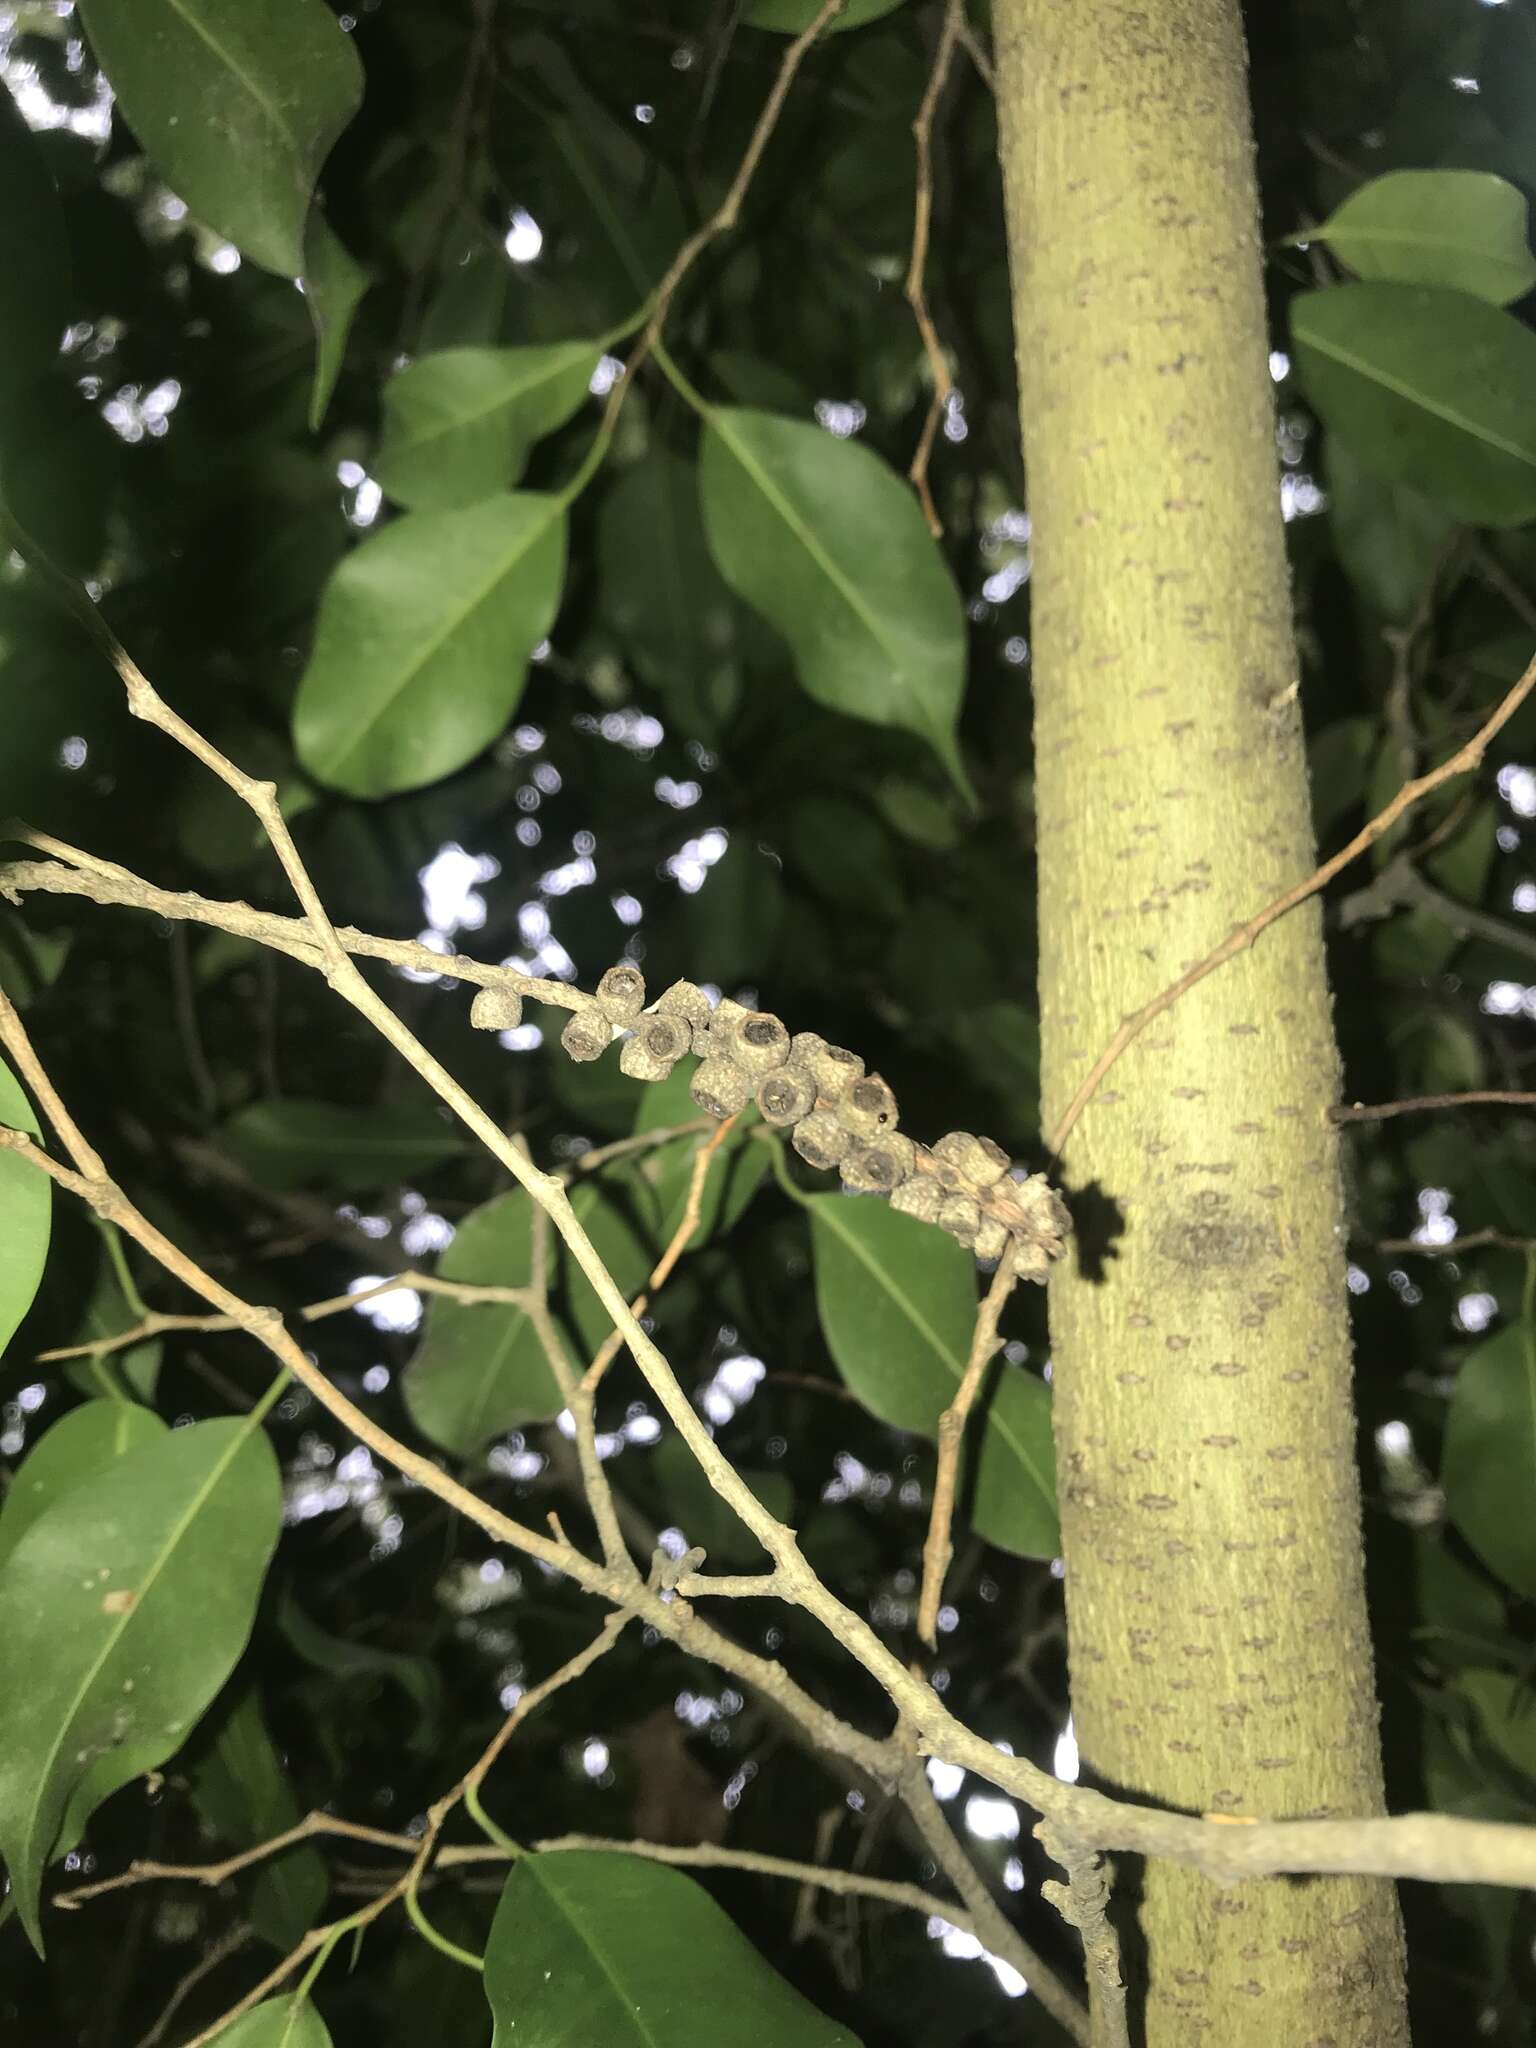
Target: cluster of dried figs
836 1114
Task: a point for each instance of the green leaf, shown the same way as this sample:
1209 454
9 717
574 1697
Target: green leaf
829 544
1506 1712
290 1143
589 1946
479 1369
241 1789
662 594
897 1300
123 1609
1391 541
1466 230
285 2022
791 17
1461 1613
25 1210
238 102
34 263
459 425
334 284
1432 388
1489 1465
421 648
351 1662
78 1447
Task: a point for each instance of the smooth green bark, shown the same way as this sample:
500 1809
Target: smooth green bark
1220 1655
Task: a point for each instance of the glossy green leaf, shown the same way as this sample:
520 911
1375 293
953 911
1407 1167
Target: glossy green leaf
123 1609
1432 388
25 1210
790 17
241 1789
285 2022
422 644
1489 1465
76 1449
364 1666
590 1946
459 425
829 544
238 102
1467 230
662 595
334 284
480 1369
34 267
898 1303
289 1143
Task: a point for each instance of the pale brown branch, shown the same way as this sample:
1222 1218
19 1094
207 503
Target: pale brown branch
145 1869
970 42
915 288
1243 936
938 1548
706 1856
1083 1902
1416 1105
1474 1240
229 1943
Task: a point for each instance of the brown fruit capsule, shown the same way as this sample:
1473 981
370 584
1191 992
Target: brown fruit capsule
496 1009
786 1095
759 1042
877 1168
820 1139
832 1066
714 1033
654 1048
921 1196
1043 1212
683 999
961 1217
1030 1260
869 1108
621 993
720 1087
991 1239
587 1036
968 1162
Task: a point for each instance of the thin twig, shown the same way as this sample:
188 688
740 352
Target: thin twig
217 1953
1083 1902
1243 936
1415 1105
938 1549
1454 1247
917 265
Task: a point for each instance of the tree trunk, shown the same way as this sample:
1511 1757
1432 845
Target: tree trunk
1219 1649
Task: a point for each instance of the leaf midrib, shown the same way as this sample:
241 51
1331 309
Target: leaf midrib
1452 418
808 539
